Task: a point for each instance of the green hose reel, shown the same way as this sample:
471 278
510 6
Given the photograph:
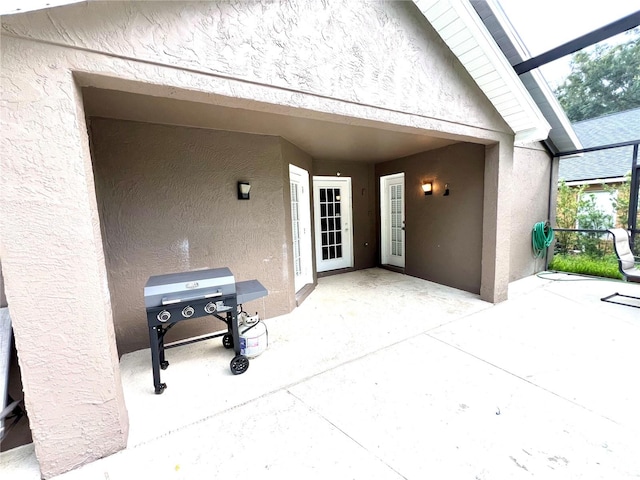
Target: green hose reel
541 238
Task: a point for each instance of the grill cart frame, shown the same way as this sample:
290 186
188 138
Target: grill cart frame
174 298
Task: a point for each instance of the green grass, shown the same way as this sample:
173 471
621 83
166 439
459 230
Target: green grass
598 267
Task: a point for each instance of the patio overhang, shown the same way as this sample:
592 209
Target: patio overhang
462 30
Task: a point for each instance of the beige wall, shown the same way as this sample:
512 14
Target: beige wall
530 204
168 203
51 250
379 53
496 222
364 218
443 234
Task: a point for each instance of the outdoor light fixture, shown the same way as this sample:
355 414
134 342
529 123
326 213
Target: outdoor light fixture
446 190
243 190
427 188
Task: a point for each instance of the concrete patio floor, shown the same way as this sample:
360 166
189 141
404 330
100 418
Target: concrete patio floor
381 375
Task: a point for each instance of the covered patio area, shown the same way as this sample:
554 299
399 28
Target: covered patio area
382 375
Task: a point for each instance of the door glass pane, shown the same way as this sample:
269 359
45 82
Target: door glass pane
396 220
330 223
295 226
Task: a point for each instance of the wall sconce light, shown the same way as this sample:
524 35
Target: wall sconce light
446 190
427 188
243 190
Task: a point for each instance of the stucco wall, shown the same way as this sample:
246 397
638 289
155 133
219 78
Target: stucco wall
531 171
443 234
52 256
168 203
372 53
364 218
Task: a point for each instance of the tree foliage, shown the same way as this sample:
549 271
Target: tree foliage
603 80
578 209
568 204
567 216
620 197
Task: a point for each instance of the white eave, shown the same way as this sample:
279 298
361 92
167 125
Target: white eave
9 7
462 30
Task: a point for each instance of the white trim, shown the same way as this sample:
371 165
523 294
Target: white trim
301 176
385 229
346 224
459 26
325 178
597 181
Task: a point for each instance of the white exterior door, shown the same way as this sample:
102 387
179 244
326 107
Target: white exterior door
301 226
332 212
392 219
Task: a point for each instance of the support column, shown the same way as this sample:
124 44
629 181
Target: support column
496 233
53 265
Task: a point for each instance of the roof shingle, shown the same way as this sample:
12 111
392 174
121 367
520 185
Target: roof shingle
604 164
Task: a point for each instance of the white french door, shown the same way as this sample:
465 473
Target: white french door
392 220
332 212
301 226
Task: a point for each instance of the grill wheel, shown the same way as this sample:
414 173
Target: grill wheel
239 364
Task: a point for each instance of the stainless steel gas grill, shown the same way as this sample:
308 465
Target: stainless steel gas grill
176 297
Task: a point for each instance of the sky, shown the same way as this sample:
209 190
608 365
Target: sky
545 24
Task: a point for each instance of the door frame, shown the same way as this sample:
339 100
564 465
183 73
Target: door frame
385 228
346 216
306 244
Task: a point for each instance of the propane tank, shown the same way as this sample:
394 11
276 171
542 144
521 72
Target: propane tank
253 333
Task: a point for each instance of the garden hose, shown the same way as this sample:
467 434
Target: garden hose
541 238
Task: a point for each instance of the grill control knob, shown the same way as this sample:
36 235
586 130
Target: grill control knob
187 311
210 307
163 316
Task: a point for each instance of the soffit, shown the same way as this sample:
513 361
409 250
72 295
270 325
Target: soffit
323 140
462 30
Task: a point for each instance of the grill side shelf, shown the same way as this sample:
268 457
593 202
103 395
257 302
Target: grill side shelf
250 290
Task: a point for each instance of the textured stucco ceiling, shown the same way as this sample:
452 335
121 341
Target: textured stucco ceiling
320 139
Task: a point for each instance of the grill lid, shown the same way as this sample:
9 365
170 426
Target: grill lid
173 288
